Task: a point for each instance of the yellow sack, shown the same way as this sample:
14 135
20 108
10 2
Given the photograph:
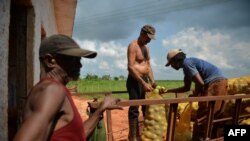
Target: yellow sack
183 129
239 85
155 122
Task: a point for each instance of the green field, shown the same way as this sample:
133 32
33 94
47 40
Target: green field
88 86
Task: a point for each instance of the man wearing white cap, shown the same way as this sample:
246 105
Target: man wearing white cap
208 79
50 113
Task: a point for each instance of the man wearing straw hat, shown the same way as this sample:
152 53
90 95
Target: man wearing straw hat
209 81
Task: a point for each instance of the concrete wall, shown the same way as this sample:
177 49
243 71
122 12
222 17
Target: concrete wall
43 18
51 17
40 16
4 40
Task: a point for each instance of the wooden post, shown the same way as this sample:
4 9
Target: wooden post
237 111
171 121
210 118
109 125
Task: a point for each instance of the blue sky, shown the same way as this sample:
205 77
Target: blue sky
214 30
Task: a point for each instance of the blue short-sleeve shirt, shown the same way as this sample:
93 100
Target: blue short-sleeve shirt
207 71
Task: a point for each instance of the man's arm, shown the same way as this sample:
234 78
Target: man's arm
151 74
199 85
185 88
91 122
198 80
44 105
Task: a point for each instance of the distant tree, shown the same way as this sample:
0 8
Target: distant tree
116 78
106 77
121 77
91 77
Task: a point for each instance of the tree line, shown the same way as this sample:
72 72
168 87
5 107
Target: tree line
104 77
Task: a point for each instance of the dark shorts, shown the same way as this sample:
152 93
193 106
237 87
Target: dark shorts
135 91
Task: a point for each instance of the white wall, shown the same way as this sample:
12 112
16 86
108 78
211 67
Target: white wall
44 18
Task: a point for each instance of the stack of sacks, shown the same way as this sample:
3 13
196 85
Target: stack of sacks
239 85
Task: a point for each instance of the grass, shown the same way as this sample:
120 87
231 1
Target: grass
85 86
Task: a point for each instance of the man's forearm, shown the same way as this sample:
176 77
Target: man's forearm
151 76
177 90
92 121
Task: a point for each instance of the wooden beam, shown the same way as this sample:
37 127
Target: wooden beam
126 103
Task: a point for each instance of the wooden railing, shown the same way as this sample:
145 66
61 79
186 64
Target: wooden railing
173 105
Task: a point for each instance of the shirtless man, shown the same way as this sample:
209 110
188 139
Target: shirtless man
50 113
140 73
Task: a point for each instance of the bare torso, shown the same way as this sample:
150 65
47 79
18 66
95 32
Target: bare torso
140 63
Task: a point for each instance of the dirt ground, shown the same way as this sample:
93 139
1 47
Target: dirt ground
119 119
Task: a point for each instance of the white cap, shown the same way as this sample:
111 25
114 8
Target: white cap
171 54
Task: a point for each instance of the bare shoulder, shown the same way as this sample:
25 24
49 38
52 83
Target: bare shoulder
46 92
133 45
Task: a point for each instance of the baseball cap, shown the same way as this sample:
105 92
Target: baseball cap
171 54
150 30
63 44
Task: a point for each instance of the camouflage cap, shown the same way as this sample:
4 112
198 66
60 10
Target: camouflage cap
150 30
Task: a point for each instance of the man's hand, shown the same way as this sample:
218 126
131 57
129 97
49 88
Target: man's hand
147 87
163 90
110 103
154 85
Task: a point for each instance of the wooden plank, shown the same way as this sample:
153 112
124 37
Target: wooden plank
230 118
126 103
109 125
171 122
210 118
237 111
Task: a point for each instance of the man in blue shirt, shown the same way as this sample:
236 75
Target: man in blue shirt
208 79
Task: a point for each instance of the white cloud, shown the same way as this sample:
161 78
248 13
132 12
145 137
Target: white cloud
104 65
153 62
121 64
218 48
115 54
89 45
111 57
112 49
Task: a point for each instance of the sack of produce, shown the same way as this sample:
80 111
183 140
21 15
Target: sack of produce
155 120
239 85
184 126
